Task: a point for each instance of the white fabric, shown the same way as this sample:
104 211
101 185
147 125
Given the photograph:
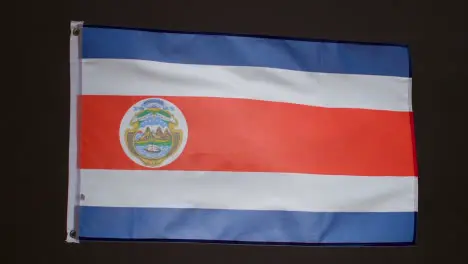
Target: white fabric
138 77
248 191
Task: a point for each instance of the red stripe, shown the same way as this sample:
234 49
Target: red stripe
257 136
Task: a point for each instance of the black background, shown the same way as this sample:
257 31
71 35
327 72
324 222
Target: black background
434 30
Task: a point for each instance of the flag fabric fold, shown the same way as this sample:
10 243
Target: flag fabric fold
207 137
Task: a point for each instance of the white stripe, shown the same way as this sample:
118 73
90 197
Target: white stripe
248 191
137 77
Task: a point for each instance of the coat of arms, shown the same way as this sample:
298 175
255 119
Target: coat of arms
153 132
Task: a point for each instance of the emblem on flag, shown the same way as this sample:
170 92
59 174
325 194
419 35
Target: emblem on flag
153 132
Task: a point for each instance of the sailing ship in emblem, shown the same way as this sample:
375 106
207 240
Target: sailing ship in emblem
153 148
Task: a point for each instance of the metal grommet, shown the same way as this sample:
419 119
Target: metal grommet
76 31
73 234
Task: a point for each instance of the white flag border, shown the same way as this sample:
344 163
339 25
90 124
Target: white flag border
73 170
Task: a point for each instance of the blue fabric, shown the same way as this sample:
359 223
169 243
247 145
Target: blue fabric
247 226
327 57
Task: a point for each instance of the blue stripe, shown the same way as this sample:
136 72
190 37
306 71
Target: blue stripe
245 226
312 56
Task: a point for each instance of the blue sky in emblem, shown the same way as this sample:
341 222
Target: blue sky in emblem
153 121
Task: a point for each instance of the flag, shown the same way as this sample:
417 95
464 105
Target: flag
210 137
